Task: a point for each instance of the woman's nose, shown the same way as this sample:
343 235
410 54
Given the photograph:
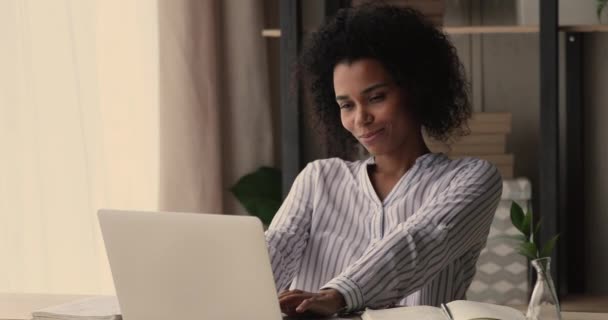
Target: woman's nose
363 117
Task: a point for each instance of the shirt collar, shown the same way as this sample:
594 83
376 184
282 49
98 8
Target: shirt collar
422 162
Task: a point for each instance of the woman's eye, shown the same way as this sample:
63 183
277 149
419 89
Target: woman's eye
345 106
376 98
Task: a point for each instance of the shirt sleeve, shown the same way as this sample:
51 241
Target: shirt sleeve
288 234
443 229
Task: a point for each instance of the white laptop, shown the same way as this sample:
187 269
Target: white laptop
189 266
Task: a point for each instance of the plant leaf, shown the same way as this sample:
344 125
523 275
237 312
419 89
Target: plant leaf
525 225
536 234
260 193
548 248
600 7
517 216
537 228
529 250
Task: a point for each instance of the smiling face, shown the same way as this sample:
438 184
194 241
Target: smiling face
373 108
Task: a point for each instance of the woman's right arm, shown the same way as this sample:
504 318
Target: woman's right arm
288 233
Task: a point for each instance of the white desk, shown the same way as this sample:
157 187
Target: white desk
19 306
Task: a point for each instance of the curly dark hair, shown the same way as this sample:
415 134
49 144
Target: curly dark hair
416 54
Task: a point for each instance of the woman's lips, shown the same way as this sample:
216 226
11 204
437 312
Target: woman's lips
371 136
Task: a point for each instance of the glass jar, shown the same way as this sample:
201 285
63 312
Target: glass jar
544 304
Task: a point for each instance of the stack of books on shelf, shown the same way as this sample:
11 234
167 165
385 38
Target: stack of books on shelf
487 140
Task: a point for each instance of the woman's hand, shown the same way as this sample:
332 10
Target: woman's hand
298 303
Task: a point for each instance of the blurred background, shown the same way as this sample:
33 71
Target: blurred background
166 104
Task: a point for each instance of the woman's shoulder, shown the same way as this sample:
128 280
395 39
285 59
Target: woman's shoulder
325 166
476 169
335 161
465 167
471 161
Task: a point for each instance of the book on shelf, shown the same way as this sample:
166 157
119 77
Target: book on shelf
490 123
487 140
471 144
470 139
93 308
490 128
506 171
472 149
492 117
483 139
455 310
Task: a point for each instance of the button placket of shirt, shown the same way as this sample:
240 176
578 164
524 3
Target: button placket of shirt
382 219
379 212
376 221
373 201
378 218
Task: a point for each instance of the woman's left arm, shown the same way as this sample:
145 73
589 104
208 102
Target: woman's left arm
443 229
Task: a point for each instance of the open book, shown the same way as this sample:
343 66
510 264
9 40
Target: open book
455 310
94 308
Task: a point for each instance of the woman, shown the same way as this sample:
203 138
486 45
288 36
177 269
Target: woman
406 226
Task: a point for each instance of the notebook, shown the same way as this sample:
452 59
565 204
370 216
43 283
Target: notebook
455 310
92 308
168 265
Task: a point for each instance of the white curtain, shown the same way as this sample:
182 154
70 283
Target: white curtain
215 108
130 104
78 131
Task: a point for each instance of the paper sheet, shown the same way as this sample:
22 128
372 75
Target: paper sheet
101 307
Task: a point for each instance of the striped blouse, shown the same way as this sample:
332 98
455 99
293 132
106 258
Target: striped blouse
418 246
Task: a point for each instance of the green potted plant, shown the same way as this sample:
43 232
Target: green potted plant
260 193
543 301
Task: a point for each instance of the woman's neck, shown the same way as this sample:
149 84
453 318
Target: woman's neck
398 162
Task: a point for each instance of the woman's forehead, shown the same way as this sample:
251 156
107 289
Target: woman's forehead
359 75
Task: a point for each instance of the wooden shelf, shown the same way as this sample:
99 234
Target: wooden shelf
585 28
276 33
490 29
271 33
522 29
584 303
